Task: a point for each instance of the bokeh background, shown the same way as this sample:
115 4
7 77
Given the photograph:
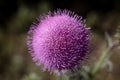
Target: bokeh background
16 16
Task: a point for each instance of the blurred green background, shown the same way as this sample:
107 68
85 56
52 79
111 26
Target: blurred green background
16 16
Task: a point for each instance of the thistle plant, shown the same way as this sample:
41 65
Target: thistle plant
59 41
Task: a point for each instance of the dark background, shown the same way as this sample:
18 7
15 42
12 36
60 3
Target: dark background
16 16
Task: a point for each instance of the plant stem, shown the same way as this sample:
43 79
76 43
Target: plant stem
103 57
100 62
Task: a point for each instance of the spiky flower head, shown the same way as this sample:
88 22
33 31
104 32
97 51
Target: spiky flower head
59 41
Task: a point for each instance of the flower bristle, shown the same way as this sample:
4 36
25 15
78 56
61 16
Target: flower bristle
59 41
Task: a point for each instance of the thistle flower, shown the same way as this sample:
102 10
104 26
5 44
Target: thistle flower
59 41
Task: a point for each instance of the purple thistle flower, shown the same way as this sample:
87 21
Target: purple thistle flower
59 41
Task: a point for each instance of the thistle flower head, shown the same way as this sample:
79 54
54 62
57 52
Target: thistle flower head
59 41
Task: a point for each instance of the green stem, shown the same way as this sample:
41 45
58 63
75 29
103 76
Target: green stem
111 44
100 62
103 57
